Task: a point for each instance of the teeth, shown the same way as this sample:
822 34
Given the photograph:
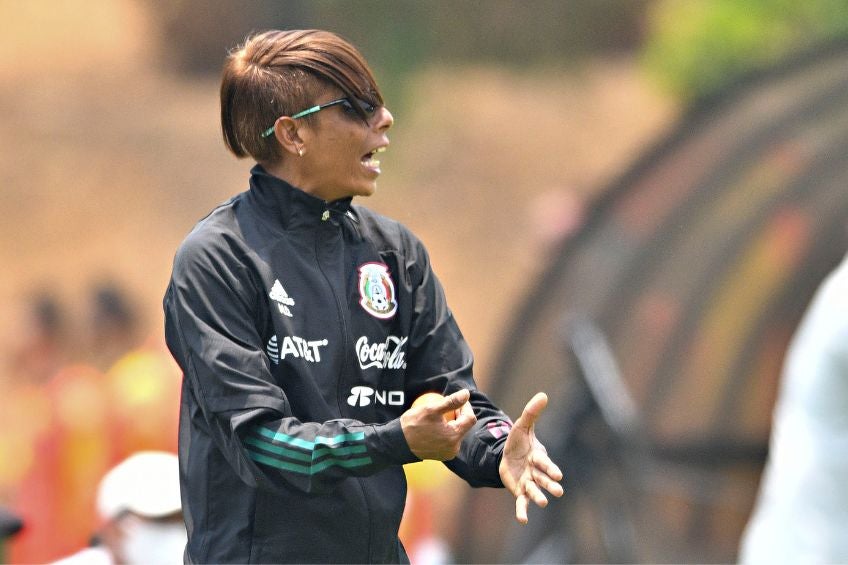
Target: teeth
369 159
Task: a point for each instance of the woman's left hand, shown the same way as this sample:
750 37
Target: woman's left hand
525 467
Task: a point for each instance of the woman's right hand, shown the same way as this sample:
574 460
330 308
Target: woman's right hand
429 435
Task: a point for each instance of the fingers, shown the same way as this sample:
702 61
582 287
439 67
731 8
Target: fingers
453 401
521 509
548 467
464 421
535 494
522 501
547 483
433 405
531 489
457 405
466 409
544 472
537 404
532 411
526 468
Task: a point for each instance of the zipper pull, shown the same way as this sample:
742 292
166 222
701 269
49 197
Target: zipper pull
325 216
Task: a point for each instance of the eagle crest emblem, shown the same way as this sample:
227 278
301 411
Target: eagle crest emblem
377 291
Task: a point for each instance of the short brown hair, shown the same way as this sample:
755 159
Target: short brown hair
278 73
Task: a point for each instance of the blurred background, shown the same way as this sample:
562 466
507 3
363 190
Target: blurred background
629 203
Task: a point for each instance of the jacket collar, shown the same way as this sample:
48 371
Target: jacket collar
291 207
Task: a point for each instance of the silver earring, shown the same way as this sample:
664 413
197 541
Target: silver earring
300 152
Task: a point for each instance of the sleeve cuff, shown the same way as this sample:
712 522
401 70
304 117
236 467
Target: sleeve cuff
390 443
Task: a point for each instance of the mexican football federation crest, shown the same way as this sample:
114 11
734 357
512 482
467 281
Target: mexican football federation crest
376 290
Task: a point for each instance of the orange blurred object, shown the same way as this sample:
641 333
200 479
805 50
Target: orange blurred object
86 422
55 497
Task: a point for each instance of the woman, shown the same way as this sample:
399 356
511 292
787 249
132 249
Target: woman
306 326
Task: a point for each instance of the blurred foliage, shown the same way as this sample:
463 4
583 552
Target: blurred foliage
695 47
398 36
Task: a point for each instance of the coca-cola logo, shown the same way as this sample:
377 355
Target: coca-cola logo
387 354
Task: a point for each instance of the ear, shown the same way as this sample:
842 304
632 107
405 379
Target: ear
287 133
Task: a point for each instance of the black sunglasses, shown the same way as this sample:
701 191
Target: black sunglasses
346 103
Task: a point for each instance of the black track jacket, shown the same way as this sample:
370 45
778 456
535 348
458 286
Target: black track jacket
304 329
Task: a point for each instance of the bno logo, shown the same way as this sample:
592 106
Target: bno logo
362 396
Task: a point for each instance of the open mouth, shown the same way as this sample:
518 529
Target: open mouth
370 160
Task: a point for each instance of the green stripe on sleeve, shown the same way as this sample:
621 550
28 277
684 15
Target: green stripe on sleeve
308 469
305 444
301 456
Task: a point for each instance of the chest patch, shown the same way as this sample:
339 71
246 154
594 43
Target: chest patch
376 290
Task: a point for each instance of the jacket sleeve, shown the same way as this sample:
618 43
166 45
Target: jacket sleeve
211 329
440 360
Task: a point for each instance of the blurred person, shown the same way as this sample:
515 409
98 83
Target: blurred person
83 422
305 327
36 353
10 525
25 416
114 325
138 504
69 454
145 380
39 341
37 350
801 514
58 436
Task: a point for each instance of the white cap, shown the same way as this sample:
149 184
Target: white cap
146 483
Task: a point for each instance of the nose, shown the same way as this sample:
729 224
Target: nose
384 119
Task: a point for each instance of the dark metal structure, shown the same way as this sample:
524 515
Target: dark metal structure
659 329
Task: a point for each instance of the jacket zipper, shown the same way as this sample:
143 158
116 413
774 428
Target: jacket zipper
340 311
345 359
